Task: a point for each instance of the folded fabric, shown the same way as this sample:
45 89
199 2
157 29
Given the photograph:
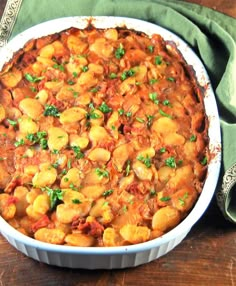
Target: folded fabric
212 36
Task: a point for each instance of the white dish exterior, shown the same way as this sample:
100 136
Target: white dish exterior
132 255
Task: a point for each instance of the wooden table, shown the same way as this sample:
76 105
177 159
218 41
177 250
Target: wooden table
206 257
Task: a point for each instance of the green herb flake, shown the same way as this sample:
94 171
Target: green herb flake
153 97
104 108
32 78
139 119
76 201
166 102
165 199
33 89
145 160
78 153
84 68
129 114
94 89
127 74
19 143
55 195
149 120
113 75
59 67
204 161
152 81
55 151
193 138
162 150
51 110
128 167
165 114
94 115
183 199
75 74
120 52
102 173
121 111
12 122
151 48
64 172
69 164
107 193
158 60
55 165
170 162
171 79
43 143
153 193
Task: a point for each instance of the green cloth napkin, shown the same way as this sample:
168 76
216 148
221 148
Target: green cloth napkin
212 36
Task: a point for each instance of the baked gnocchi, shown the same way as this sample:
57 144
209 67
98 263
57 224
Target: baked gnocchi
103 138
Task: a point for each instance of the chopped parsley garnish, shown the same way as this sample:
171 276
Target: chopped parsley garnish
12 122
153 97
121 111
59 67
139 119
152 81
145 160
182 200
165 199
129 114
73 187
75 74
165 114
113 75
55 165
158 60
204 161
33 89
78 153
151 48
166 102
43 143
85 68
75 93
76 201
127 74
170 162
128 167
193 138
19 143
69 164
172 79
94 89
120 52
51 110
149 120
94 115
32 78
104 108
162 150
70 82
102 173
55 151
55 195
153 192
107 193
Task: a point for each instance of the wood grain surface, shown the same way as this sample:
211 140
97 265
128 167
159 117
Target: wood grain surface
206 257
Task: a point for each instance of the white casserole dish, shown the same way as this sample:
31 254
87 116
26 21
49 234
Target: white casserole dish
132 255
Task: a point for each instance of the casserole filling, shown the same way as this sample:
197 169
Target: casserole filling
103 138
